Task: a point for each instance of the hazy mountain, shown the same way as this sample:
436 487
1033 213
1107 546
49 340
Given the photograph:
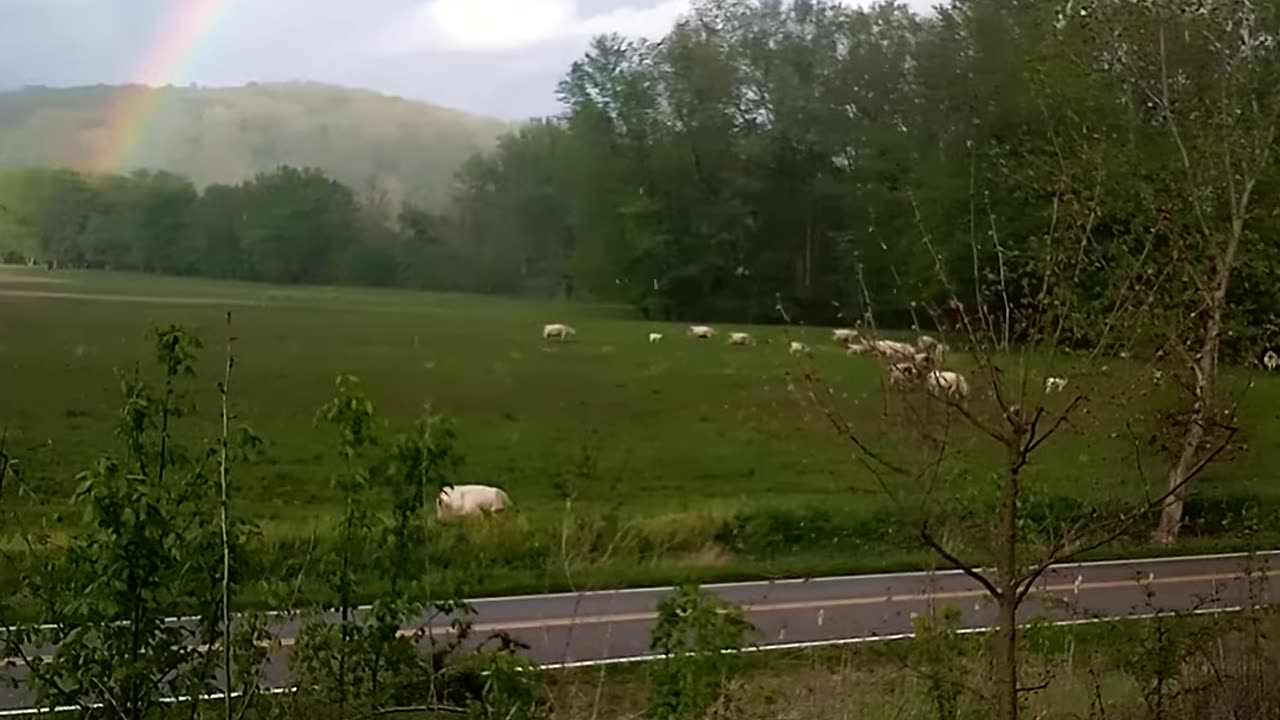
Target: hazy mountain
227 134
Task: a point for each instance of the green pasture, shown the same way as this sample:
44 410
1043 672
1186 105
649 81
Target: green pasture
700 453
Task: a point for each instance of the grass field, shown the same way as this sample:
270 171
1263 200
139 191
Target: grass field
707 456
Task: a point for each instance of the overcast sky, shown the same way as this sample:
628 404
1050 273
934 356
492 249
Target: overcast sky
496 57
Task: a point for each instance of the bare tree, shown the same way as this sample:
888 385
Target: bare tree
1198 87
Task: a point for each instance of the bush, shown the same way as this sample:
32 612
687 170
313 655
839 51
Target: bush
769 532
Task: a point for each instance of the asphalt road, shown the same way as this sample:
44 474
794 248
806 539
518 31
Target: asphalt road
572 629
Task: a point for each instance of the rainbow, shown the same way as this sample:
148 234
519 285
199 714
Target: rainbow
134 108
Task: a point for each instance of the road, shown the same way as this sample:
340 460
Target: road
588 628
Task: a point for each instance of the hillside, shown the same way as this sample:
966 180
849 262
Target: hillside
227 134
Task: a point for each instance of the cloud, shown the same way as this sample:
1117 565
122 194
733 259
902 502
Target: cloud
500 57
504 26
650 23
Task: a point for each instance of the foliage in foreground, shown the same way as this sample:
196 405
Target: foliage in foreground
156 545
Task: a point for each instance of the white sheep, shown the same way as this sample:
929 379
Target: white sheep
558 330
1271 360
797 347
947 384
655 337
893 350
741 338
1054 384
935 350
462 500
844 335
858 349
701 332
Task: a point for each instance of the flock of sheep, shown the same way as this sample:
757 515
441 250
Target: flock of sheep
560 331
910 365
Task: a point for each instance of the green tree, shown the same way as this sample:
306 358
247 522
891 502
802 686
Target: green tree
295 225
51 208
214 232
150 549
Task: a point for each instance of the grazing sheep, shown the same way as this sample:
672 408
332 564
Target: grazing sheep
462 500
893 350
947 384
844 335
1271 361
934 349
558 330
655 337
1054 384
858 349
741 338
797 347
702 332
903 375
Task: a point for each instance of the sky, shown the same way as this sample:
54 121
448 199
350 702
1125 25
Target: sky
493 57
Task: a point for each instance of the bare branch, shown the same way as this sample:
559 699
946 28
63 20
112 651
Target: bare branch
1004 290
1062 418
1036 688
842 426
1124 524
959 564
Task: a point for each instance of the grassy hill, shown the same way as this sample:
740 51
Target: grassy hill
227 134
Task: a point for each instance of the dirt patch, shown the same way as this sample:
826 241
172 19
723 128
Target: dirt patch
20 279
713 555
155 299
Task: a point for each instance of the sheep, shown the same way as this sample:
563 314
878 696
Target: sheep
903 374
937 351
947 384
893 350
844 335
655 337
462 500
741 338
797 347
702 332
1054 384
858 349
1271 360
558 330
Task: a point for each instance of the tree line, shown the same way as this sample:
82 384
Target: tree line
847 161
290 225
848 164
843 164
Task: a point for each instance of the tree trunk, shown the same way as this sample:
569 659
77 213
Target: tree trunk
1006 658
1006 639
808 253
1205 367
